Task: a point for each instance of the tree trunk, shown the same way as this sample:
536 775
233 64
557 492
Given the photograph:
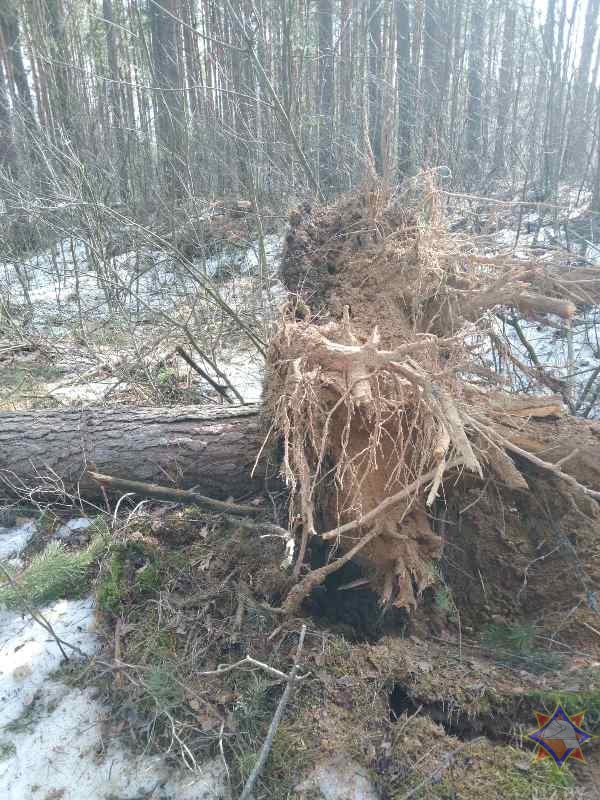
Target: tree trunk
326 106
504 89
405 88
212 449
114 99
375 64
168 108
473 132
579 123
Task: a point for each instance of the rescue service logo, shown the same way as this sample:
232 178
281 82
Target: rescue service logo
559 736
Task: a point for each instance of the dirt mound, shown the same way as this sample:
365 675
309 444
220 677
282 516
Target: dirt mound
533 555
357 253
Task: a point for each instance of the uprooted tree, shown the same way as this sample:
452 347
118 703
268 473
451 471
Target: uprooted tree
396 437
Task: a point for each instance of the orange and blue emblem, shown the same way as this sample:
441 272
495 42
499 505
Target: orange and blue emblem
559 736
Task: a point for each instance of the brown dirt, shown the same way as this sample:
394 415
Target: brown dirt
359 253
525 555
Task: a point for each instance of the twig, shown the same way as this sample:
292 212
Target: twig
216 386
278 716
158 492
589 627
221 670
119 682
222 752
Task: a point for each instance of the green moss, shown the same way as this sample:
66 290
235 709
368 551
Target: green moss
572 702
109 588
133 571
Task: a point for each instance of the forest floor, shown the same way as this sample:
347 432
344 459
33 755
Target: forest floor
389 715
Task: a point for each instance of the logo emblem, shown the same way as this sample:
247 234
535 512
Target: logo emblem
560 736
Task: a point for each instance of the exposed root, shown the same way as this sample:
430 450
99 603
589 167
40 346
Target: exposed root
388 388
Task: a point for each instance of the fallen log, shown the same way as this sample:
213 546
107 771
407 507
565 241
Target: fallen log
210 449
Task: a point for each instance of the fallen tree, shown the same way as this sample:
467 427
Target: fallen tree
48 452
395 431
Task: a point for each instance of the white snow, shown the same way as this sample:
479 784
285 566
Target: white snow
13 540
338 779
28 654
91 392
53 738
79 524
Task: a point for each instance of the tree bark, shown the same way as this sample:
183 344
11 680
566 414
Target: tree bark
210 449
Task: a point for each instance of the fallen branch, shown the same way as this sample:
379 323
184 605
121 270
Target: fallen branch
278 716
203 374
157 492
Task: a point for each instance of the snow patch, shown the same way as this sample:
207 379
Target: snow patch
53 740
13 540
28 654
80 524
66 755
338 779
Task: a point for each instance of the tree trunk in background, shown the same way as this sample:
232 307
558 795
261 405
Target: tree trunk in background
576 154
212 449
374 68
10 31
404 82
596 167
114 99
547 82
432 59
6 150
168 102
61 94
325 88
504 88
473 133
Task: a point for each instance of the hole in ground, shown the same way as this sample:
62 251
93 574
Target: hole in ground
401 700
355 613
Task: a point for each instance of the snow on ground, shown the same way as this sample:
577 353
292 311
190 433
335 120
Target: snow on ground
126 305
52 743
13 540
